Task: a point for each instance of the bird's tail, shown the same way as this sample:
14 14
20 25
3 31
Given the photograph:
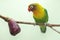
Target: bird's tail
43 28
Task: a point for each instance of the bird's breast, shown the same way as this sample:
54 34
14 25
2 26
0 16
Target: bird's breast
38 14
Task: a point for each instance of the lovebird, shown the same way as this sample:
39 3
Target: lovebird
40 15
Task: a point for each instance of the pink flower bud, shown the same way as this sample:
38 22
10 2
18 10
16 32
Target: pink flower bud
13 27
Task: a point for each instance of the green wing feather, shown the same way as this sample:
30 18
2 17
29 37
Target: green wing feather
43 20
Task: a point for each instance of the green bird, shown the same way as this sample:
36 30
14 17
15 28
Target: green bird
39 14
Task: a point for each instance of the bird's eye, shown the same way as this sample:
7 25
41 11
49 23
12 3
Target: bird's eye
31 6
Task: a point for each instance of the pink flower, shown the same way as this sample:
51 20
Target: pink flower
13 27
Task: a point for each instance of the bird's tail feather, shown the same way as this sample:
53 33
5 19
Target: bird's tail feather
43 28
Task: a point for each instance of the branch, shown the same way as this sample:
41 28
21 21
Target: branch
31 23
55 30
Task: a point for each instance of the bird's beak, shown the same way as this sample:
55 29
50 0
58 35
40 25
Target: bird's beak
29 9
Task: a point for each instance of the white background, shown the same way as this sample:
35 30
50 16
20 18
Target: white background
17 9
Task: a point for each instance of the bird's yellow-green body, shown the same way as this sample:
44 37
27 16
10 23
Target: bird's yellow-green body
40 15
